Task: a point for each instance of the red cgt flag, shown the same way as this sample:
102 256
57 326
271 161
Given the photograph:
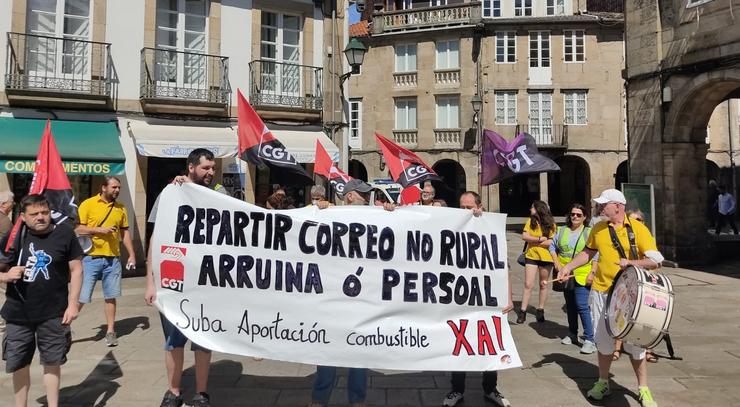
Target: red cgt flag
259 146
49 179
406 167
325 167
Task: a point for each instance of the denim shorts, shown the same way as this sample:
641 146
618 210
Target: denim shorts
173 338
103 268
21 339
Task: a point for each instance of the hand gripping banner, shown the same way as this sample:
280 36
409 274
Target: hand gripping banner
419 288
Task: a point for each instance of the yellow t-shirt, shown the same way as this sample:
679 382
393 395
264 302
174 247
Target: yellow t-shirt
600 240
92 211
536 252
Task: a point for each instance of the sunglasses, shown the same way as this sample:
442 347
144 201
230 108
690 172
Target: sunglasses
576 215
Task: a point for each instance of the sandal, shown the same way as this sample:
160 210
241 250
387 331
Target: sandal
616 354
650 357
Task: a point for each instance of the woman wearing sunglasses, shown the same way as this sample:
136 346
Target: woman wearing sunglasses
568 241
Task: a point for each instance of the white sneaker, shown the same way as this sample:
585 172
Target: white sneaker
567 340
588 347
452 399
498 399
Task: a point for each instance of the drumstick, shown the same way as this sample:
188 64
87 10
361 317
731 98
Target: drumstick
546 282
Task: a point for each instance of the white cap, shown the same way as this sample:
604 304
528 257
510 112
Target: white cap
611 195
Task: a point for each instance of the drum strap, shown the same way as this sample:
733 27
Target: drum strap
618 246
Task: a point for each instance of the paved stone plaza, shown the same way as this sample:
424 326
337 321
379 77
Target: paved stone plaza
705 332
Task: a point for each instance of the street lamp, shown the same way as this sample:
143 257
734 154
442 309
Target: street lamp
477 105
355 53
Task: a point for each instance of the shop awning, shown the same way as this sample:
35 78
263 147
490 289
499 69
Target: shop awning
87 148
302 144
170 141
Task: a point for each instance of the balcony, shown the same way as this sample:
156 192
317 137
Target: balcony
285 88
554 137
427 18
406 138
405 79
43 70
448 138
184 82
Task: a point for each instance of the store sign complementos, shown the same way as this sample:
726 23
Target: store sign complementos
70 167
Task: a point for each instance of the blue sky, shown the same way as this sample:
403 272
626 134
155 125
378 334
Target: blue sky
354 16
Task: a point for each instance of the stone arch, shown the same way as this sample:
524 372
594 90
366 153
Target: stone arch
453 181
517 193
622 174
571 184
357 170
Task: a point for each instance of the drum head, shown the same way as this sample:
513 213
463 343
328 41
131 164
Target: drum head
85 242
621 303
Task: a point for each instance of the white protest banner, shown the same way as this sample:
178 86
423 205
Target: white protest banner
419 288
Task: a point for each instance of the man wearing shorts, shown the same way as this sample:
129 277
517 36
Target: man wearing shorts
44 275
106 221
201 165
610 262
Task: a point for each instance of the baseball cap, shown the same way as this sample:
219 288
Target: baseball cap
611 195
357 185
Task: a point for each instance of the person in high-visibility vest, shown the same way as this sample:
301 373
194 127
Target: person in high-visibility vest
568 241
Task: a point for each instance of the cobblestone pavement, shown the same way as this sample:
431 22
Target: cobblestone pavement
705 332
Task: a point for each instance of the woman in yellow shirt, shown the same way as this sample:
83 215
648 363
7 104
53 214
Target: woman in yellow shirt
537 235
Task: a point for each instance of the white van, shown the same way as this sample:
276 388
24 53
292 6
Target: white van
390 189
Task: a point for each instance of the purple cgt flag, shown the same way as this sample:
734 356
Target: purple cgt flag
502 159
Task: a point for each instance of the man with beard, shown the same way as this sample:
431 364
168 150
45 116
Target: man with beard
201 168
44 275
427 194
106 221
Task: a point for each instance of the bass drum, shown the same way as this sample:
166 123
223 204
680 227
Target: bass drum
639 307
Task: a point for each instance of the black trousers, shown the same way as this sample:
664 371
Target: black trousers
725 218
490 380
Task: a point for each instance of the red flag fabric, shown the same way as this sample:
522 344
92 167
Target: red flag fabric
325 167
260 147
406 167
49 179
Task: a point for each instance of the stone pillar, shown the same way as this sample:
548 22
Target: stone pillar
544 193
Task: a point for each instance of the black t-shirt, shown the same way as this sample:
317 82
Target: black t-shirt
42 292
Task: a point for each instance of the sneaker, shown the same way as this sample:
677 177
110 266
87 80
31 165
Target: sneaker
498 399
588 348
540 315
646 398
170 400
568 340
111 339
452 398
600 390
521 316
201 400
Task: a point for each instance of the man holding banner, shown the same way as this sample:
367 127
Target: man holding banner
471 200
201 168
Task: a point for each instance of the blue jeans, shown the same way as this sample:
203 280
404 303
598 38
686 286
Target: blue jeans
322 386
576 303
106 268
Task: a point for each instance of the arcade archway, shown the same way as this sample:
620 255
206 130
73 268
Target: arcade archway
452 184
571 185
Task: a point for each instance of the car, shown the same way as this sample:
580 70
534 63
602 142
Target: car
388 187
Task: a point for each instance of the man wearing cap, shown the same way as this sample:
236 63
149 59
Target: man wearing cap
610 262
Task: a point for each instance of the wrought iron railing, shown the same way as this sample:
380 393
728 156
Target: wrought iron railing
553 135
186 76
427 17
285 84
58 64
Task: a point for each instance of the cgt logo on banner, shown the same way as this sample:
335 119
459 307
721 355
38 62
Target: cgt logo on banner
171 269
276 153
419 288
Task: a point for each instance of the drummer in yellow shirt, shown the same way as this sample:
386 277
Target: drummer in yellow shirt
610 262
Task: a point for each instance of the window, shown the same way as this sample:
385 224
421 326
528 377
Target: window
448 112
540 117
448 54
181 34
539 49
280 41
405 114
522 7
405 58
573 46
355 119
505 107
68 19
555 7
491 8
575 107
505 47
